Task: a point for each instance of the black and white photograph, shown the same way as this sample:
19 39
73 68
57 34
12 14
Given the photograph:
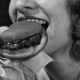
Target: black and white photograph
39 39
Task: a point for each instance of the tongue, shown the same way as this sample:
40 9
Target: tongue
21 30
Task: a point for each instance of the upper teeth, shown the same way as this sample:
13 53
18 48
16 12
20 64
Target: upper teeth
36 20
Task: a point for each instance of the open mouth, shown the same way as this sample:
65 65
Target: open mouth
22 42
43 22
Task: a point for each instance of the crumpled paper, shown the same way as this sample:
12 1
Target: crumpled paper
23 70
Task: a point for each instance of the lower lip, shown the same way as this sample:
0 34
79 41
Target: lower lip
26 53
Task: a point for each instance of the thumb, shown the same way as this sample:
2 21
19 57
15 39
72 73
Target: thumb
3 28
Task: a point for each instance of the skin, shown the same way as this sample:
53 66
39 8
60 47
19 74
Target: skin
59 39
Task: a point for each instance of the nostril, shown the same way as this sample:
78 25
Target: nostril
28 7
25 4
26 11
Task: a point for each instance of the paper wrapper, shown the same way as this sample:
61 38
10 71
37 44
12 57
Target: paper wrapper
23 70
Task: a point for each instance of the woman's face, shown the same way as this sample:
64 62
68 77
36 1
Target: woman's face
54 11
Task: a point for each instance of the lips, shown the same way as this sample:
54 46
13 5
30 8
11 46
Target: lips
25 38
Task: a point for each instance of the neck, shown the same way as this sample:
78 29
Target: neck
62 65
62 52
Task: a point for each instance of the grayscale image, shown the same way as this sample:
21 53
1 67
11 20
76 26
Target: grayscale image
39 39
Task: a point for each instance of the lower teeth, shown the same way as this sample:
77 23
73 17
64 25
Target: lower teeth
26 43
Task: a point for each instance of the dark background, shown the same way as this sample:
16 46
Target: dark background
4 16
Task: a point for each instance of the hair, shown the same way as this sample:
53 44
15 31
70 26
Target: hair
74 10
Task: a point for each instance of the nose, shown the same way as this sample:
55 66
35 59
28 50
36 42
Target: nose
23 8
26 6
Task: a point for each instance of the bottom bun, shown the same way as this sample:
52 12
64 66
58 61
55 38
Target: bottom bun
26 53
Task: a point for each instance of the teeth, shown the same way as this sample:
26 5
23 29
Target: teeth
28 20
41 21
44 22
36 20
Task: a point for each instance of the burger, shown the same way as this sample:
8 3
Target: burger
24 39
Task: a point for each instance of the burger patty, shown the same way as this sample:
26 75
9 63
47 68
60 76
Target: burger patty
32 40
22 34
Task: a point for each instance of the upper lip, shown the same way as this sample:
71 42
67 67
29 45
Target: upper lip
27 17
32 17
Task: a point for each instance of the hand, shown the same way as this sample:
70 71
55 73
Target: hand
3 28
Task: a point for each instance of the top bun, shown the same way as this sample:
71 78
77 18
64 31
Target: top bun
21 30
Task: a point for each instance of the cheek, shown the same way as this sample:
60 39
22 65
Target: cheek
50 6
58 32
56 41
11 5
12 9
